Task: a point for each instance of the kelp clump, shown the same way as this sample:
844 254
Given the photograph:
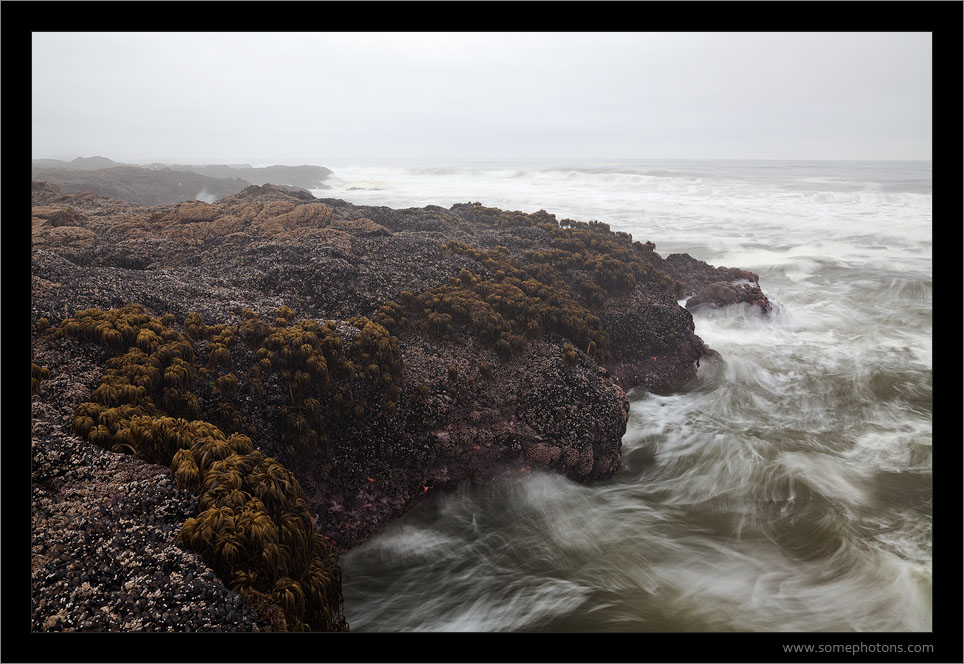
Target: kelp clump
334 379
253 526
589 257
516 297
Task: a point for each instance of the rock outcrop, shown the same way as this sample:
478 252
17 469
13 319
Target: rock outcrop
715 288
379 355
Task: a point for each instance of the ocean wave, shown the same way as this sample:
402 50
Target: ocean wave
869 198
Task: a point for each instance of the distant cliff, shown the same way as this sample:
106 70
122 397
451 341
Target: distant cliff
305 177
140 185
78 164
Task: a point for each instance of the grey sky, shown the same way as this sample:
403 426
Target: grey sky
325 97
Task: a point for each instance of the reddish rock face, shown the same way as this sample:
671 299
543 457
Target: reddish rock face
654 343
716 287
721 294
695 273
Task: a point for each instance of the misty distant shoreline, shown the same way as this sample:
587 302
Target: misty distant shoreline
161 184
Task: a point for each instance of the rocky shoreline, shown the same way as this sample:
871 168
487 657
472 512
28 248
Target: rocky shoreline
458 344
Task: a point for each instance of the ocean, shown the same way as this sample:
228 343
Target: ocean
790 490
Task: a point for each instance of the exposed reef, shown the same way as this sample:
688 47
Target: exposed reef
294 372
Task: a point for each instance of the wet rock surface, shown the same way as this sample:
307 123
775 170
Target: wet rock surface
708 287
719 295
104 555
105 524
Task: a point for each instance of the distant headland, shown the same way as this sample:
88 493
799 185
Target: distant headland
165 184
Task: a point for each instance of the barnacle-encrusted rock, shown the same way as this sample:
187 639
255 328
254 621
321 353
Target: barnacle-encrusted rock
653 340
63 237
55 215
721 294
714 288
253 527
311 368
575 417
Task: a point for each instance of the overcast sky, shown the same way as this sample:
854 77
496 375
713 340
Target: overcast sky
334 97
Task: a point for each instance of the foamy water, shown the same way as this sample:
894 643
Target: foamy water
790 491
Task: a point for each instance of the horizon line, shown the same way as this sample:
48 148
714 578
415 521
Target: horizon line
296 162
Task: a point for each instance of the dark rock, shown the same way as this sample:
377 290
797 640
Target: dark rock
708 287
720 294
695 273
